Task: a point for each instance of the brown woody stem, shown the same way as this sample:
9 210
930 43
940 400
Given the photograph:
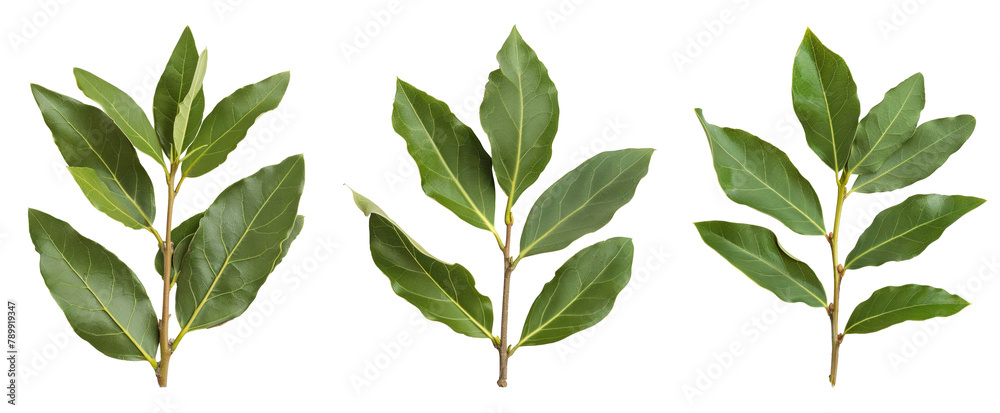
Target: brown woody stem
507 269
168 259
838 274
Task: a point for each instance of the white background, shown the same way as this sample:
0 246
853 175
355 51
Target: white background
328 313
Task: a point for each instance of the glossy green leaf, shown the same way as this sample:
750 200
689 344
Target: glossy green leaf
903 231
185 233
88 138
931 144
893 305
887 125
181 248
238 243
181 232
123 111
442 292
454 168
300 222
581 294
183 135
101 197
754 173
173 86
583 200
825 100
520 115
756 252
229 122
101 297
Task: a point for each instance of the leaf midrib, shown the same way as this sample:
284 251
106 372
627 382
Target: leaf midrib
795 207
94 294
489 334
787 275
883 314
212 143
125 120
222 269
111 202
103 162
826 104
885 131
451 174
520 131
914 228
577 297
524 252
904 161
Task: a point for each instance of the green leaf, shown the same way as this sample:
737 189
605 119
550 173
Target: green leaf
182 247
123 110
182 135
756 252
300 222
174 85
893 305
442 292
887 125
903 231
825 100
583 200
178 235
520 115
101 197
581 294
454 167
229 121
101 297
754 173
88 138
932 143
238 243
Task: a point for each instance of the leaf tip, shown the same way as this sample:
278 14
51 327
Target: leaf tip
514 33
401 85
